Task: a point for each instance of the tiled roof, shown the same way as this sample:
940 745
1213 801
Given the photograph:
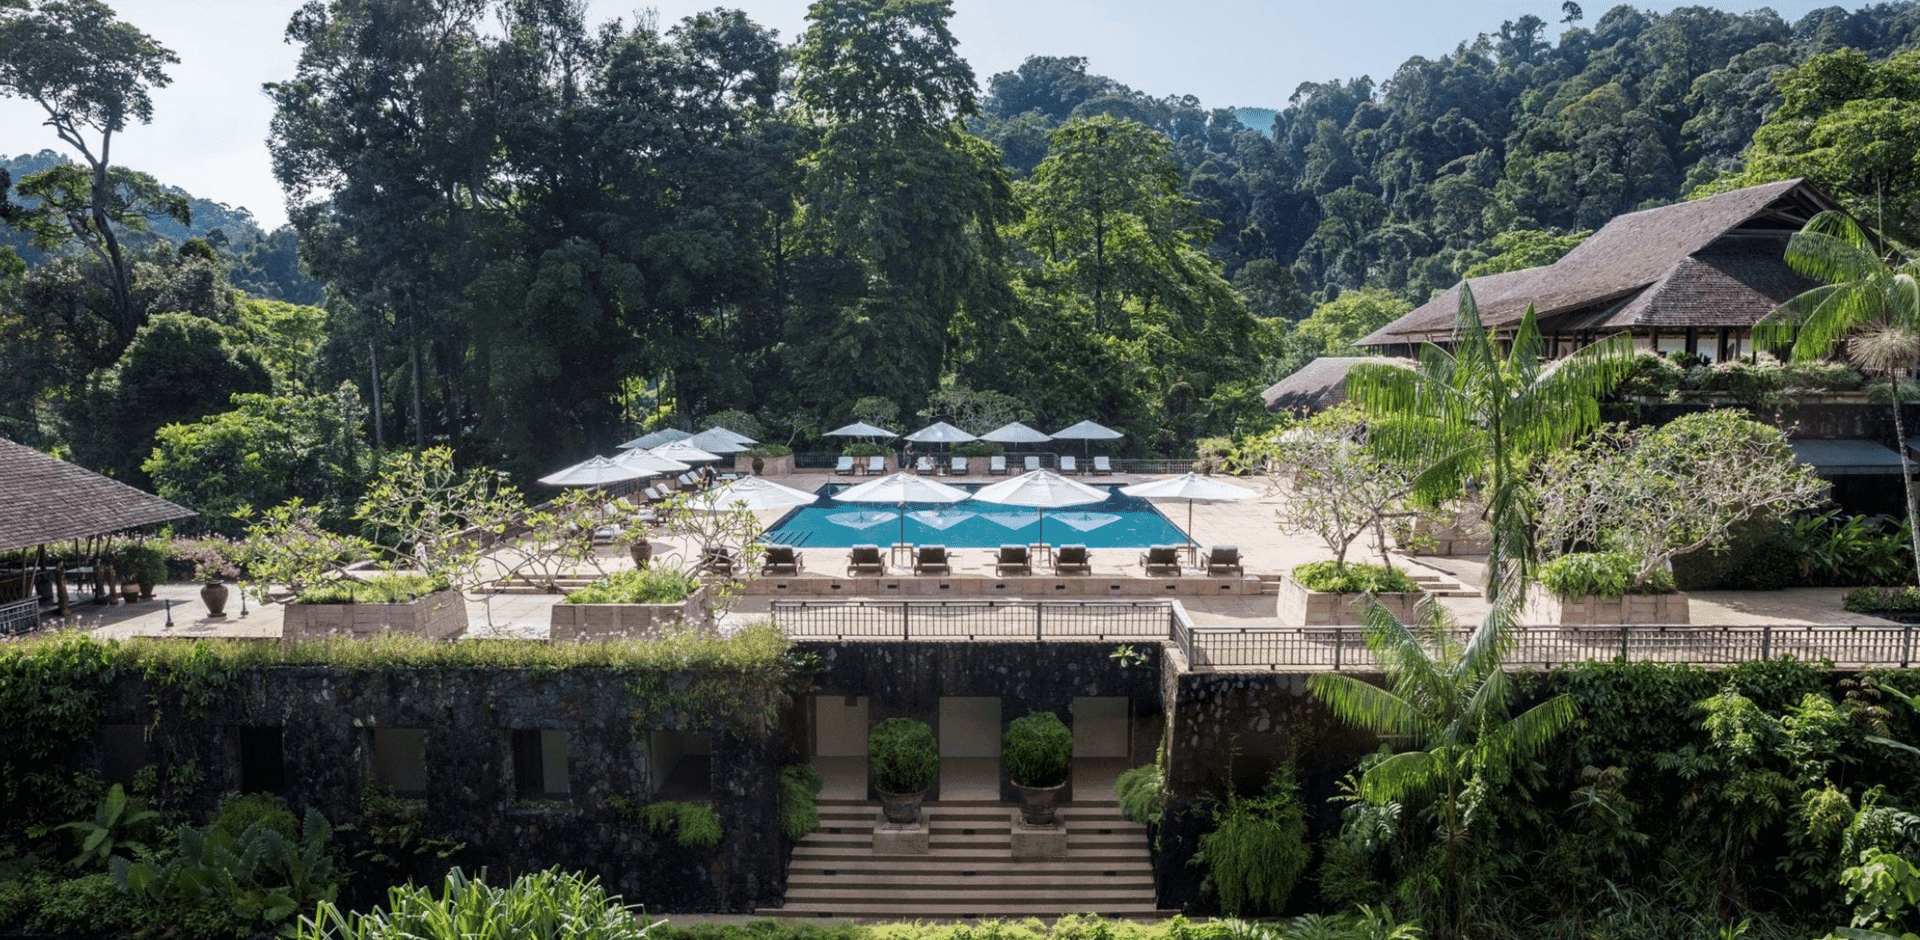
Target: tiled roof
45 500
1627 254
1319 384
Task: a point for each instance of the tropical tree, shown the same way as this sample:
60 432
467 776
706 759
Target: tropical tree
1870 304
1448 703
1474 416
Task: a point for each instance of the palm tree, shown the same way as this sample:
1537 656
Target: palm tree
1479 415
1869 304
1447 703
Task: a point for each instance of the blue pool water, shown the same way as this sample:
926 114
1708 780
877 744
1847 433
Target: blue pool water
1118 522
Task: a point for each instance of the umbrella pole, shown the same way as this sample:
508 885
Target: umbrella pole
1193 546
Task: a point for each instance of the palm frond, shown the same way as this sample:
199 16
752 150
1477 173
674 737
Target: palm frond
1402 777
1527 733
1368 707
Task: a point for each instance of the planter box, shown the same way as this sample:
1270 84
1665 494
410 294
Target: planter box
574 623
1546 608
769 466
440 615
1302 607
1463 534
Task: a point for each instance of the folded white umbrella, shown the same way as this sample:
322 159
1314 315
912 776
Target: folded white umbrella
657 438
1191 487
684 451
593 471
901 489
1015 433
1043 490
753 493
940 432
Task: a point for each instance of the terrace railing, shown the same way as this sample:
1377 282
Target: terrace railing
1341 648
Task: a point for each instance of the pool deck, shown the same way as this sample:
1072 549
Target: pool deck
1250 524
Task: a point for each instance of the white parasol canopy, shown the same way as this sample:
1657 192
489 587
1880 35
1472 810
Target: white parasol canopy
940 432
1193 488
719 441
1043 490
1015 433
901 489
752 493
860 429
684 451
593 471
657 438
734 436
1087 431
649 463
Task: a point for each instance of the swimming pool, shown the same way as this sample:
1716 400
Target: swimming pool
1118 522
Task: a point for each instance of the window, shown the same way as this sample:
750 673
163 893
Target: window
680 765
540 765
400 760
263 760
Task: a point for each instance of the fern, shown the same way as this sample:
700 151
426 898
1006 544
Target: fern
1142 793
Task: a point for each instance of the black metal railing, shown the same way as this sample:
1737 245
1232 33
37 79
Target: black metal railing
973 620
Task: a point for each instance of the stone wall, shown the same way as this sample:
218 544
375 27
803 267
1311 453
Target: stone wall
325 718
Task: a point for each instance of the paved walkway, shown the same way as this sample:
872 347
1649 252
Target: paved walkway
1249 524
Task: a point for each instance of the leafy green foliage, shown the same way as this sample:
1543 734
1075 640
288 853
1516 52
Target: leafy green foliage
256 872
1038 750
1873 599
903 755
653 585
380 589
117 823
548 905
265 451
1257 848
1335 325
694 825
1142 794
799 785
1354 578
1600 574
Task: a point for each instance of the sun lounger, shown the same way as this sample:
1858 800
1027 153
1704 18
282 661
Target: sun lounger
780 559
925 466
997 465
865 559
1102 466
958 467
932 559
1033 463
876 465
717 559
1069 465
1161 561
844 467
1224 561
1012 559
1072 559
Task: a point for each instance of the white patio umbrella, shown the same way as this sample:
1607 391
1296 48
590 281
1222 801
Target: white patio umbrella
653 464
1087 431
1193 488
1042 490
901 489
860 429
683 451
593 471
657 438
752 493
940 432
1015 433
720 441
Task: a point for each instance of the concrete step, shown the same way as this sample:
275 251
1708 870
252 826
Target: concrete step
835 856
946 866
1022 879
981 908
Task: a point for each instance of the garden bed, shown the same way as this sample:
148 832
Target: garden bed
1301 606
583 622
439 615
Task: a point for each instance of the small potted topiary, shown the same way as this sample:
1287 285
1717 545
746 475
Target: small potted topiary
1037 754
905 762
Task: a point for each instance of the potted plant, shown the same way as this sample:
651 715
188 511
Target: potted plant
905 762
149 566
1037 754
1323 593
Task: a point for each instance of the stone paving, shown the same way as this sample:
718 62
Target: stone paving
1250 524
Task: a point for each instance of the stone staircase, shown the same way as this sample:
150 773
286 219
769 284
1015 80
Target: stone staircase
970 871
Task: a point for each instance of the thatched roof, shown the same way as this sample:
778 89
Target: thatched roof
1319 384
44 500
1627 270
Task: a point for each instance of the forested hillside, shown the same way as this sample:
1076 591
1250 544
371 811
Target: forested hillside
537 238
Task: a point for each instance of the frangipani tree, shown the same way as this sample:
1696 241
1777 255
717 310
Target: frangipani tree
1447 703
1478 416
1870 305
1337 487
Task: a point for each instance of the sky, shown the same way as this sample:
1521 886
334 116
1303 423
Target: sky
209 130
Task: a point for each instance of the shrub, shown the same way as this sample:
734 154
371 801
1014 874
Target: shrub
864 449
979 449
1354 578
381 589
799 814
767 450
694 825
1257 848
1142 793
904 756
548 905
1038 750
1868 600
1601 574
1651 376
658 585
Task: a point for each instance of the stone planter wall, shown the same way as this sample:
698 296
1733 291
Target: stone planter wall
769 466
1543 607
1301 607
574 623
440 615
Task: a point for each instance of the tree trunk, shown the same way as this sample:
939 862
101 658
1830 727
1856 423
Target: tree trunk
1906 472
419 416
379 424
